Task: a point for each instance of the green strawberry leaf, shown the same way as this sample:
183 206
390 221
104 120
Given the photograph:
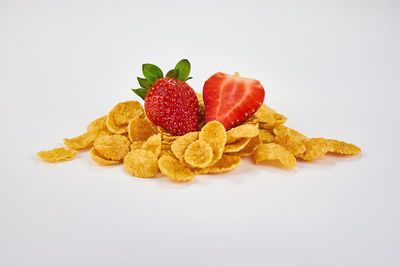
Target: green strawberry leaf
174 74
152 72
144 83
188 78
140 92
184 69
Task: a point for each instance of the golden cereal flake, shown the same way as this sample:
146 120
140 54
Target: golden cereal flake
226 163
57 154
166 152
215 135
244 130
98 125
250 147
289 142
268 118
119 117
113 147
198 154
137 145
341 147
316 148
141 163
153 144
83 141
96 157
286 130
267 136
179 146
238 145
174 169
140 129
169 138
272 151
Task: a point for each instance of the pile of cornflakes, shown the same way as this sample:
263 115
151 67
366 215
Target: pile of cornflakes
126 135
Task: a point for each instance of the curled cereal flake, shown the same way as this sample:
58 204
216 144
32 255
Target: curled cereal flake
119 117
226 163
169 139
179 146
140 129
165 133
96 157
113 147
289 142
141 163
272 151
198 154
165 142
84 140
244 130
267 136
341 147
174 169
153 144
201 111
166 152
98 125
137 145
165 146
316 148
238 145
57 154
250 147
268 118
286 130
215 135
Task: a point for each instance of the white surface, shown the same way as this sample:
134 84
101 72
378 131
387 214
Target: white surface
332 68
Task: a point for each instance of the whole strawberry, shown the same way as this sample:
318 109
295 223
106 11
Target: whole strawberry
169 102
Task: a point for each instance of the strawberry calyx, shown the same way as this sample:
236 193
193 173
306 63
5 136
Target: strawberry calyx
152 73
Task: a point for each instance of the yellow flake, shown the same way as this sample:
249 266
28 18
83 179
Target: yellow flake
198 154
141 163
119 117
226 163
174 169
57 154
272 151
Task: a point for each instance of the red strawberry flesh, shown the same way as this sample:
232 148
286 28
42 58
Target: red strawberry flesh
231 99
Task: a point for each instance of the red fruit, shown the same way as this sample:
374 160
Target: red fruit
231 99
172 104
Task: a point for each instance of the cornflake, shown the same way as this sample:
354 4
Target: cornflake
226 163
198 154
179 146
113 147
98 158
140 129
153 144
57 154
273 151
119 117
83 141
215 135
174 169
141 163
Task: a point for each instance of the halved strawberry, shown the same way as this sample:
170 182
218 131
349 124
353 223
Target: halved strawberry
231 99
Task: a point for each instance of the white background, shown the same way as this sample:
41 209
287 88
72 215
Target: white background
331 67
